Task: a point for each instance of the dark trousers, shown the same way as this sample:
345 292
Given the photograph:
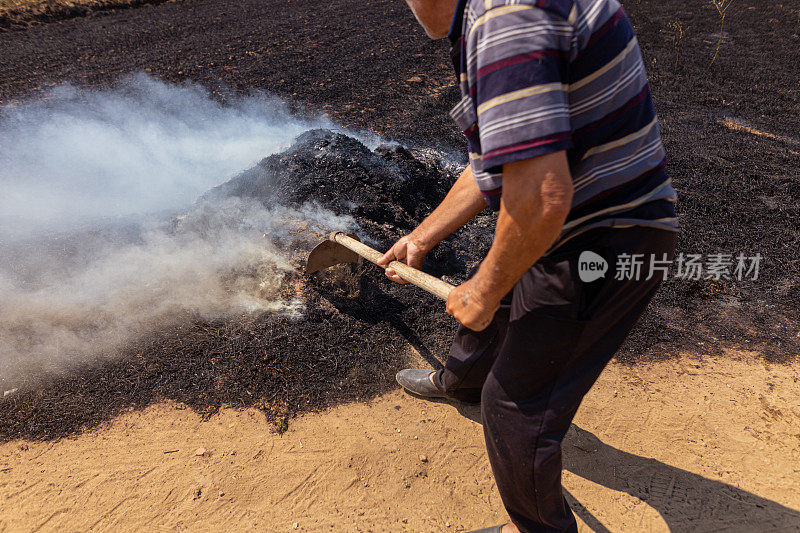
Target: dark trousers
530 369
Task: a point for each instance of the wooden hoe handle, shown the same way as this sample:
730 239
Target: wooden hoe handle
424 281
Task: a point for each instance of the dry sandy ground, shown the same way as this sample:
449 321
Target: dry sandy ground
686 445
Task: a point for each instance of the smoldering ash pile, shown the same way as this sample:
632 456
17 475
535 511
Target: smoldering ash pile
204 304
98 235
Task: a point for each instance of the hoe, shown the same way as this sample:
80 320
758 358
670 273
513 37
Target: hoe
340 248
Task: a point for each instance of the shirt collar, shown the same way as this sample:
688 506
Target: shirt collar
456 26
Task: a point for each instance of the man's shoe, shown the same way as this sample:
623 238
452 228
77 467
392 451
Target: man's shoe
418 381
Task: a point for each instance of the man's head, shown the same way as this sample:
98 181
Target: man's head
434 15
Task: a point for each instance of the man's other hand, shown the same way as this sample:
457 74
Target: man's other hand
408 250
470 306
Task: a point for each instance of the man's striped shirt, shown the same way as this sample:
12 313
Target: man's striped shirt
541 76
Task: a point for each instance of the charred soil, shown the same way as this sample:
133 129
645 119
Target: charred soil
730 131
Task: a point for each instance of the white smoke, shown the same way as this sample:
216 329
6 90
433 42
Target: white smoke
88 261
144 146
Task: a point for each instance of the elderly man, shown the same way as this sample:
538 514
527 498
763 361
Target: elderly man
564 144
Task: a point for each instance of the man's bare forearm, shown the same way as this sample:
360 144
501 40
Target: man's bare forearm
462 203
537 194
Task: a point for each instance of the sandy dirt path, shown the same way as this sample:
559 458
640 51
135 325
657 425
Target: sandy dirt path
686 445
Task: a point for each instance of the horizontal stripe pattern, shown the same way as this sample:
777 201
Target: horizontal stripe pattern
541 76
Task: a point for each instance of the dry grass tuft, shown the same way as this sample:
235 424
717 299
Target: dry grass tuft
678 30
722 8
739 125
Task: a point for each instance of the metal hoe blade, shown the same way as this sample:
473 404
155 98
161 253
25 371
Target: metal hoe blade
327 254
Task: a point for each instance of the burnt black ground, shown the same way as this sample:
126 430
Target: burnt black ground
374 68
352 336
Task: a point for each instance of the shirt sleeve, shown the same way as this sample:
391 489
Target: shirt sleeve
520 57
